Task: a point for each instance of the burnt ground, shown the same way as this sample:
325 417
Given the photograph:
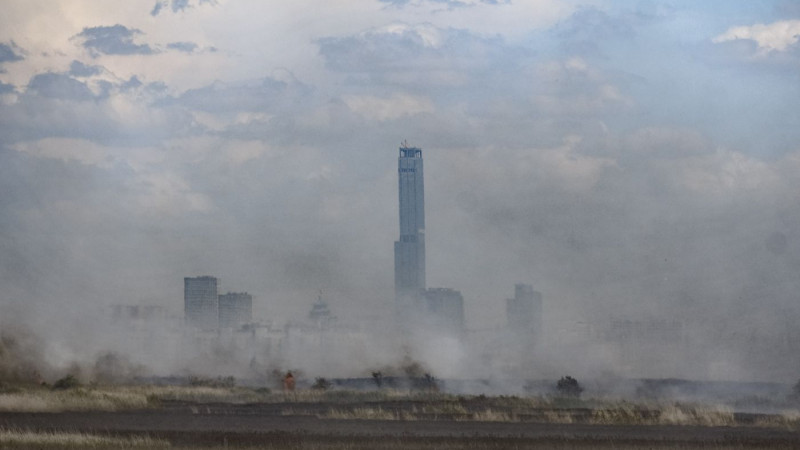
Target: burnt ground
270 426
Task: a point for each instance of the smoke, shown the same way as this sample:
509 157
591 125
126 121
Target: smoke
21 358
112 367
658 218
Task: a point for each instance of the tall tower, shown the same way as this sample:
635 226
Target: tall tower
409 250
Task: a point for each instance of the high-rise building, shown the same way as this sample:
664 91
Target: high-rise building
409 250
200 302
525 310
235 309
444 308
320 313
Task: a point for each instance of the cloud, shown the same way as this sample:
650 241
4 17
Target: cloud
157 8
421 54
79 69
7 53
588 28
387 108
185 47
60 86
774 37
113 40
574 87
267 94
176 5
123 112
447 3
66 149
6 88
132 83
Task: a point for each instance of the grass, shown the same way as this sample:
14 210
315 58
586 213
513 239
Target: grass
23 439
364 414
79 399
389 404
789 419
117 398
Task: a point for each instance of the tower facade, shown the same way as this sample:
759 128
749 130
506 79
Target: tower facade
200 302
409 250
235 309
524 311
444 308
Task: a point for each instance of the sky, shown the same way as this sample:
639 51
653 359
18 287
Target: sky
628 159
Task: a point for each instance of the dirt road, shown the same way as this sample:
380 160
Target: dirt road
205 425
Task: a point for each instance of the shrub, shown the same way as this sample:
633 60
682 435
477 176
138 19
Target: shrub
219 382
569 387
321 384
426 382
68 382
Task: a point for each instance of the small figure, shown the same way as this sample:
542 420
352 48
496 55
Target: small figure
288 382
377 377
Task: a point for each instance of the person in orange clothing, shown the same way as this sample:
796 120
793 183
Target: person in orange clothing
288 382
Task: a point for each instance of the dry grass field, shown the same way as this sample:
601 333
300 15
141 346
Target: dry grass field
147 416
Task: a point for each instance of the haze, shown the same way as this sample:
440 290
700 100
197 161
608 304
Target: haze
632 160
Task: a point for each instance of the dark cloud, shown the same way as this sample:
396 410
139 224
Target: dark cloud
6 88
175 5
185 47
113 40
179 5
79 69
61 86
157 8
58 105
132 83
7 53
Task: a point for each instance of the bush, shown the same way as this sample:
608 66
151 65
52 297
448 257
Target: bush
426 382
569 387
68 382
219 382
321 384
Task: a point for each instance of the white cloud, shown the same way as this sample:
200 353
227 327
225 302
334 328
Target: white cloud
776 36
727 172
427 33
239 151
